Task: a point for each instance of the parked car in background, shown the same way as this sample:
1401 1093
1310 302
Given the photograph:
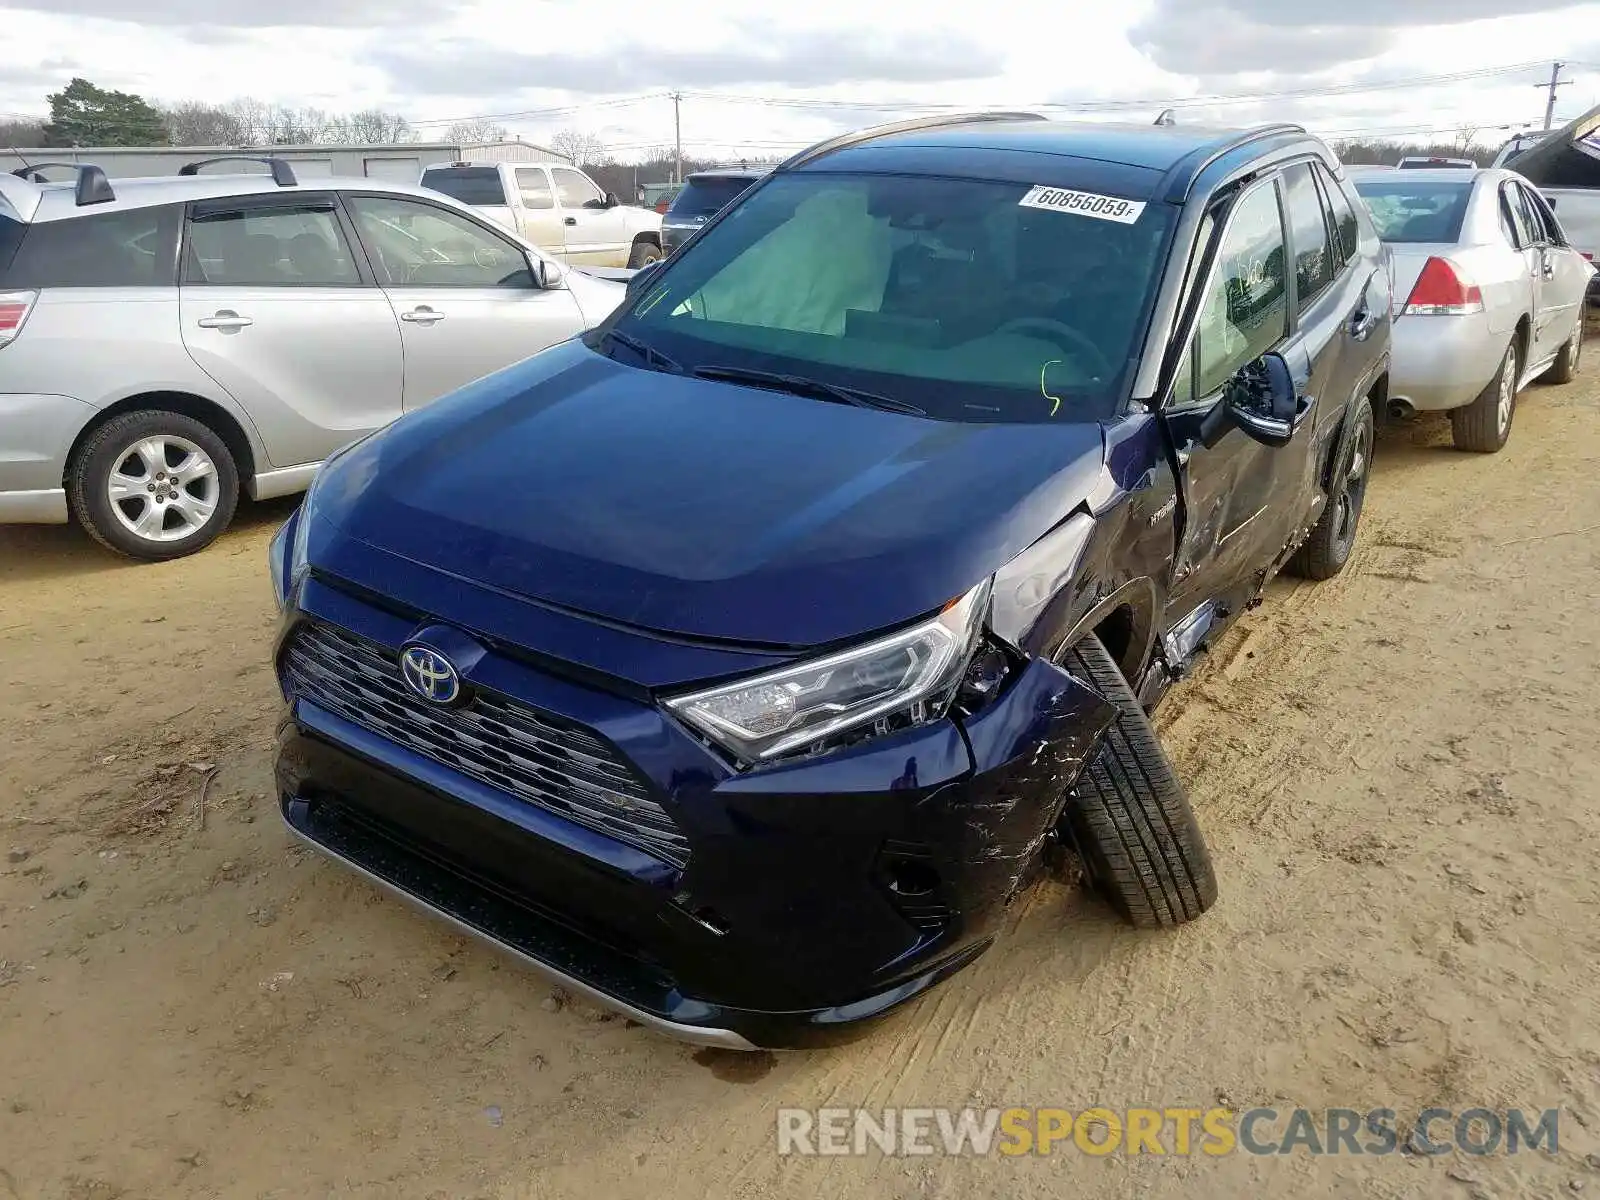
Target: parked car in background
1488 290
1414 162
738 662
556 207
704 195
659 196
167 344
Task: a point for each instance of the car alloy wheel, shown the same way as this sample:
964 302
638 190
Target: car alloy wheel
1353 490
163 488
1508 394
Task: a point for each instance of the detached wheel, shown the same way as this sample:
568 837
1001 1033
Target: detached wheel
1129 817
153 485
1327 547
1484 425
1565 368
644 253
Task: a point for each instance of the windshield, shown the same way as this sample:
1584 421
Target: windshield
704 195
470 185
1408 211
969 299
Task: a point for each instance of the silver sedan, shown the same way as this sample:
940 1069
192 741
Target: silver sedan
1488 294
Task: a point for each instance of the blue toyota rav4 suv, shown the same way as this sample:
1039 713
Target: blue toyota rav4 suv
738 662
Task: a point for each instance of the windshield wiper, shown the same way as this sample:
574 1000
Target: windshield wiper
649 353
804 385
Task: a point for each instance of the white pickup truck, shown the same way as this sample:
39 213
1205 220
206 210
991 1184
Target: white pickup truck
1565 167
556 207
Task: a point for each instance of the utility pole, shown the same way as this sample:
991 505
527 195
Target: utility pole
1555 82
677 136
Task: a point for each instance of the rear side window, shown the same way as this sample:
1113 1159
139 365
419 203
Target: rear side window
1544 220
1341 218
1405 210
277 246
704 197
1313 269
135 247
470 185
534 188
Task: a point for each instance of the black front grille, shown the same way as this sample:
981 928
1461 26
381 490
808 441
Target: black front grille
534 756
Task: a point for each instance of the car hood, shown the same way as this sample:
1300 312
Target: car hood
704 509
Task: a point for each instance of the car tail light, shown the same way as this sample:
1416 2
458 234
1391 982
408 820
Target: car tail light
662 206
1442 290
14 310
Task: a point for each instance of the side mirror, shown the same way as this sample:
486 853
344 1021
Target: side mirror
544 275
1261 401
640 278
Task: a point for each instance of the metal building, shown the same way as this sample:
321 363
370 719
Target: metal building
401 162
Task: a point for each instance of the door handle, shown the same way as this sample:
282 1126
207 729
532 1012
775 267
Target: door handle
571 221
422 315
225 318
1362 324
1547 268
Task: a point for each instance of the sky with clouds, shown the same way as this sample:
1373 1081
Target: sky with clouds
761 82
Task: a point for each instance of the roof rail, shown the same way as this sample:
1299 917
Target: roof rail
865 135
282 172
92 188
1182 174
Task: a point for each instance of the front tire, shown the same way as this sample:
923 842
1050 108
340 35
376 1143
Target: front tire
1327 547
153 485
1129 817
643 254
1565 368
1484 425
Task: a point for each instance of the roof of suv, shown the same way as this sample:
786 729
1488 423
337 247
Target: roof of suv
729 173
1139 161
57 198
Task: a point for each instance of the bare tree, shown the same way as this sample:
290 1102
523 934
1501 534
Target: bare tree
195 123
21 133
476 132
373 127
1464 138
581 148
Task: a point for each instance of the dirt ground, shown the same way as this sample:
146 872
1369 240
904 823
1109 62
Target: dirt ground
1399 772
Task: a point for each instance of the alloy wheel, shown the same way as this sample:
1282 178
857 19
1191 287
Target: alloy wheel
1353 488
1508 393
163 488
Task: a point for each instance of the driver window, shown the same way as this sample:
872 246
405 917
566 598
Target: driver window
575 188
417 245
1246 308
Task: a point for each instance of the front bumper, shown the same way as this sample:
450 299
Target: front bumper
816 895
1443 362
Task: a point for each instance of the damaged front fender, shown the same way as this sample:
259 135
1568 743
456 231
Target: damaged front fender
1027 752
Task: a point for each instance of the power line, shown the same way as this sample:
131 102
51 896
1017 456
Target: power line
1350 88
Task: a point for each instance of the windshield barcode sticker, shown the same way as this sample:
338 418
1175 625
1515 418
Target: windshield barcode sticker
1085 204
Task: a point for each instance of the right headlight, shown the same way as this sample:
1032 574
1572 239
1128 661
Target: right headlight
906 678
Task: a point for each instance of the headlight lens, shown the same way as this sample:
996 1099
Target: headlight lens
286 557
906 678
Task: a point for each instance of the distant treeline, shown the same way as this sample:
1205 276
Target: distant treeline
1389 153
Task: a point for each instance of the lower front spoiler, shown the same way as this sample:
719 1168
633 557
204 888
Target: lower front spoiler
580 966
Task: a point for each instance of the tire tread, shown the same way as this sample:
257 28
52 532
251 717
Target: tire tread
1130 817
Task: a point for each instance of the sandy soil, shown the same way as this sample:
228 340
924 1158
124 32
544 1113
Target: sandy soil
1398 771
